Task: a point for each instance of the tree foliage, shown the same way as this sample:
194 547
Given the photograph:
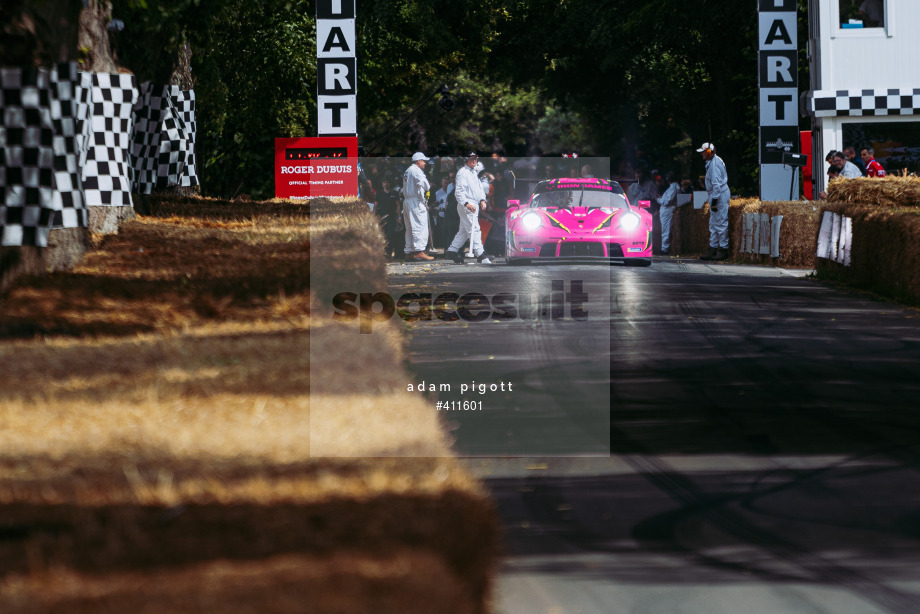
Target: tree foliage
257 82
605 77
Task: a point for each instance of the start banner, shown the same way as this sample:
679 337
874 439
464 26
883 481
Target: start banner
309 167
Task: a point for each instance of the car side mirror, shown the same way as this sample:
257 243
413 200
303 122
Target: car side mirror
513 204
645 204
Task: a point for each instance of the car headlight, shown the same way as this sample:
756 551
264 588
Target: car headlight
629 221
531 221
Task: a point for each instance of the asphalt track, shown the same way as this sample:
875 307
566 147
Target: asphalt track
711 439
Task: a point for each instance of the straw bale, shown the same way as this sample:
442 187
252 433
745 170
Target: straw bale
891 191
169 427
405 581
798 231
690 231
885 251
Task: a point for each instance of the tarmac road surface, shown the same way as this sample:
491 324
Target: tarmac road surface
748 441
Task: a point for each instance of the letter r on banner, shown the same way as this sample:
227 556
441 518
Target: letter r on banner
335 76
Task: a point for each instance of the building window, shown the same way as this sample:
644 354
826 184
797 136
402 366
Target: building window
859 14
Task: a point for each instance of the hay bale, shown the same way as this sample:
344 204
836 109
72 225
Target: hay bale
183 433
885 251
798 231
891 191
690 231
885 248
405 581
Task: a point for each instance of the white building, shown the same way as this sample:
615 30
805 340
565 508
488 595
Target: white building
865 81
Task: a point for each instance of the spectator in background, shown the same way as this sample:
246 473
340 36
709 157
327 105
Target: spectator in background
625 170
501 192
549 171
439 215
667 205
643 189
850 153
451 215
586 172
373 175
832 173
485 179
829 158
369 194
499 161
846 168
872 13
388 212
873 168
443 162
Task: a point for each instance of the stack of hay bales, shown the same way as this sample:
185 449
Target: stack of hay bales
171 444
885 246
801 219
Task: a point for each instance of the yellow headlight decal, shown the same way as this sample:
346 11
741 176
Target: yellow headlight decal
556 222
604 224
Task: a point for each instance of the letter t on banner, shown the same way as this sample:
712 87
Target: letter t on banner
336 68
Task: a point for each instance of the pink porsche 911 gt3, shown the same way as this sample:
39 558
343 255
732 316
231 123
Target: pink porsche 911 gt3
579 219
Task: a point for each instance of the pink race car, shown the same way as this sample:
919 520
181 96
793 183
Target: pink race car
579 219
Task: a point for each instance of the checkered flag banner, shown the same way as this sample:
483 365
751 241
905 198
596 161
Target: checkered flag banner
163 141
855 103
39 153
106 125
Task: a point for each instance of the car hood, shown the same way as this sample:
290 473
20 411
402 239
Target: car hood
581 219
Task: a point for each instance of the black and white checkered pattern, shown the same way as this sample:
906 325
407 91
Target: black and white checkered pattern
38 167
72 140
105 168
163 141
843 103
69 92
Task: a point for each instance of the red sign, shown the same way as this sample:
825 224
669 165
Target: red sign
316 166
807 178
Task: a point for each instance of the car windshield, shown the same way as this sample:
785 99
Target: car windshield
578 198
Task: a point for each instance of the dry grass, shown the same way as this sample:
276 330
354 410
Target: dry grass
405 581
158 425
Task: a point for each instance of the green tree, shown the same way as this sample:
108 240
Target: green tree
597 76
255 82
656 74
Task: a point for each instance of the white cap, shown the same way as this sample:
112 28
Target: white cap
419 156
705 147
